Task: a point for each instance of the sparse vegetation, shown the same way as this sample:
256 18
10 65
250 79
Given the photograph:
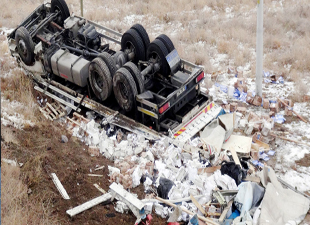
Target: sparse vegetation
199 29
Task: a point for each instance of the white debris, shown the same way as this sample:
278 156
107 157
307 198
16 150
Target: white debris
121 207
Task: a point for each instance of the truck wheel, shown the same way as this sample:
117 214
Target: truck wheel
62 7
136 74
107 58
125 89
167 42
100 79
156 53
143 34
119 59
25 45
132 43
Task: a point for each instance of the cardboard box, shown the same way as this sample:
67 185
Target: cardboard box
233 107
257 100
266 103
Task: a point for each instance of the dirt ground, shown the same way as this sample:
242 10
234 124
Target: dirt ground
41 152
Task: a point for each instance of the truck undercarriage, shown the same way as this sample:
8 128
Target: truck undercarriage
145 81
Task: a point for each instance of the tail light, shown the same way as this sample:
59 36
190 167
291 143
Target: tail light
164 108
202 75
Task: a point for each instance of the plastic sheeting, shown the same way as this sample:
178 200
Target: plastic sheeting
281 206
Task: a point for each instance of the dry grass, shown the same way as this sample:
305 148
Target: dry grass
16 205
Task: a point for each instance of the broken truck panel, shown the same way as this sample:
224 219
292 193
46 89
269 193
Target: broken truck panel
186 131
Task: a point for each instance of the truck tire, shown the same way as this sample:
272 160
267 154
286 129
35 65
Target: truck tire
143 34
62 7
157 52
119 59
125 89
25 45
100 79
136 74
167 42
107 58
132 42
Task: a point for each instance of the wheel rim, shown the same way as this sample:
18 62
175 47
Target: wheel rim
123 90
130 47
155 58
59 16
98 81
22 48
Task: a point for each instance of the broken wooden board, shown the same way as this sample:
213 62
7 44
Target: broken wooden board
59 186
209 221
100 189
87 205
196 203
261 145
129 199
235 157
252 178
225 211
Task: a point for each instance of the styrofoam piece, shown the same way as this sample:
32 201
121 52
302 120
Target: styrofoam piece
181 174
148 207
87 205
121 207
59 186
130 200
241 144
136 176
113 170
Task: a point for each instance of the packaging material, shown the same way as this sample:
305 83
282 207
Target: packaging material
241 144
248 197
266 103
279 205
213 135
267 126
274 106
227 122
230 91
257 100
233 107
121 207
278 118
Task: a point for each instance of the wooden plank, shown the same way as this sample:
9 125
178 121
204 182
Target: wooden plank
235 157
252 178
262 144
209 221
87 205
52 108
100 189
299 116
57 98
99 168
95 175
225 211
125 195
59 186
287 139
196 203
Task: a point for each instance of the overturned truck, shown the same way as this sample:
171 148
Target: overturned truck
145 81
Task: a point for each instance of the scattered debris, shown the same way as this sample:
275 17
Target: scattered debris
64 139
59 186
87 205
